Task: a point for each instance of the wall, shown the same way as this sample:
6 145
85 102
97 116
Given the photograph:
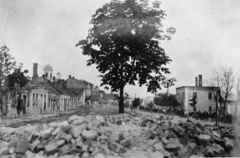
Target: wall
203 102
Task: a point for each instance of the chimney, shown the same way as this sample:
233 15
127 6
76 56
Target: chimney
69 76
196 81
35 69
200 80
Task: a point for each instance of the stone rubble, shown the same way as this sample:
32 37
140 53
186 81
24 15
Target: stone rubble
117 136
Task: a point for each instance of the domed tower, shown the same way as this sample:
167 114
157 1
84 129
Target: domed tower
48 72
58 76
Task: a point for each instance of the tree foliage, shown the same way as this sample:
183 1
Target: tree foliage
136 102
124 43
165 100
7 64
17 77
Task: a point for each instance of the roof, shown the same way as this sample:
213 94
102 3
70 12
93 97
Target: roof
95 97
110 97
80 82
42 84
47 68
197 87
58 73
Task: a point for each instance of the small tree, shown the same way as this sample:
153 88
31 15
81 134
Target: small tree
193 102
7 64
168 83
135 103
150 106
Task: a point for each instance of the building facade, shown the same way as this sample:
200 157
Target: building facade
205 99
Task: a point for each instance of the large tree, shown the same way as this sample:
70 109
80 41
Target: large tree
124 43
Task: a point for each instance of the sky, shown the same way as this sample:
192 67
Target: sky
46 32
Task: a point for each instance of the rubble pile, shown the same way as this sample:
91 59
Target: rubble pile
122 136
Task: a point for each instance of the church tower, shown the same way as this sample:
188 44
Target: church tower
58 76
48 72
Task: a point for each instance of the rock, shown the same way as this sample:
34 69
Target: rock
186 151
98 155
116 147
198 150
208 152
51 148
126 142
90 134
22 147
76 131
184 140
159 131
172 147
29 154
4 150
218 150
158 146
46 133
56 131
157 154
228 144
204 139
179 130
60 142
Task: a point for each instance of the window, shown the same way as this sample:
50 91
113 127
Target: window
195 95
33 98
36 99
209 96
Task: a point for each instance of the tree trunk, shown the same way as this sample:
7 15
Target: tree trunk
121 106
216 113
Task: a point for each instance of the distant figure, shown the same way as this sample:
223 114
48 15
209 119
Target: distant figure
19 105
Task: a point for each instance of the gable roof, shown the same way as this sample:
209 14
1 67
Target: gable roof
41 84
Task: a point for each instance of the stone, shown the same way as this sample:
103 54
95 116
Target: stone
159 131
116 147
144 123
78 121
172 147
76 131
51 148
85 155
68 137
67 156
89 134
29 154
61 142
46 133
179 130
186 151
158 146
218 149
98 155
208 152
56 131
198 150
184 140
126 142
4 150
157 154
204 139
22 147
228 144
